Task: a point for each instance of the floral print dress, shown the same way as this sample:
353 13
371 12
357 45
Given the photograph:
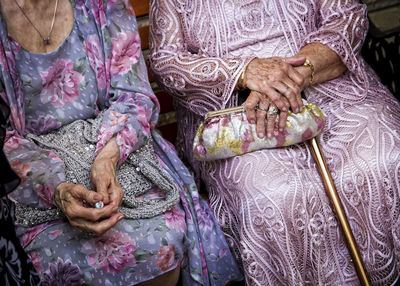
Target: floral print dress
98 67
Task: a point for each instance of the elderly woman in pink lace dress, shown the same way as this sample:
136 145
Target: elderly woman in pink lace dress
272 204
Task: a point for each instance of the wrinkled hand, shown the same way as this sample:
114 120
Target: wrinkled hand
103 174
277 79
70 199
257 106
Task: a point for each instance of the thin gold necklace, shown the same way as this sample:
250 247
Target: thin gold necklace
46 40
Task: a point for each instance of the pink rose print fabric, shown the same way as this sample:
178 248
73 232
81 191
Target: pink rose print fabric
112 251
60 83
125 52
99 67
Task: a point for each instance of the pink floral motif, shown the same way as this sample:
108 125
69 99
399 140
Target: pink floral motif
105 134
36 262
30 234
126 139
60 83
54 157
15 114
42 124
55 233
113 251
281 138
117 118
222 252
96 60
175 219
143 115
21 169
3 58
306 134
247 139
166 257
13 141
203 260
125 52
98 13
46 193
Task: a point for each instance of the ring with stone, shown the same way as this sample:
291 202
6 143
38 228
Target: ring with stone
99 205
272 110
262 108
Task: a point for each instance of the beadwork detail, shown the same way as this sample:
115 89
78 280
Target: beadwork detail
74 144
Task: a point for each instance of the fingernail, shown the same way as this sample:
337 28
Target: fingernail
269 135
280 129
115 208
260 135
120 217
276 133
284 109
96 197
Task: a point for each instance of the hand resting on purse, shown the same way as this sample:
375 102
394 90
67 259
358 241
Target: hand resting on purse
227 133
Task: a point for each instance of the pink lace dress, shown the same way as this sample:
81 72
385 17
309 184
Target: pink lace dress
272 204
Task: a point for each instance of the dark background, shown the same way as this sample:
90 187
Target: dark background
382 45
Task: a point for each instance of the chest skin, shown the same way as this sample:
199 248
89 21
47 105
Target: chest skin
40 12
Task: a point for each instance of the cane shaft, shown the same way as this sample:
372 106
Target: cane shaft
339 211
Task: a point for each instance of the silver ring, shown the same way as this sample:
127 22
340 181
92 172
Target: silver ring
99 205
262 108
272 110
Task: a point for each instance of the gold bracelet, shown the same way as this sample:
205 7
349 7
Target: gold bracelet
240 83
307 63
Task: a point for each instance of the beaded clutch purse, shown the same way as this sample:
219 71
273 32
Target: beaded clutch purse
75 144
227 133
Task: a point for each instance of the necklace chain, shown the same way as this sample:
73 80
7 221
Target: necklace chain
46 40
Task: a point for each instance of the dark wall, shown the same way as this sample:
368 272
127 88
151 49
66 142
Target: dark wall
382 46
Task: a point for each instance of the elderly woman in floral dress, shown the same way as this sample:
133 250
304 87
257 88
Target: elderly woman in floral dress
271 203
91 61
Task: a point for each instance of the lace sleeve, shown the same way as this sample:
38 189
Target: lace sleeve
198 82
342 26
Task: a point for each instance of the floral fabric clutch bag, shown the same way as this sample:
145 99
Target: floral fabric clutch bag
227 133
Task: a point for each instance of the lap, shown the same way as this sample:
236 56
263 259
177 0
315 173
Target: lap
133 250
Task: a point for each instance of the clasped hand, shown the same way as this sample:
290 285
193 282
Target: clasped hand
77 202
274 82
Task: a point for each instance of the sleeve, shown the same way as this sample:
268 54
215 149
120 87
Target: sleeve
198 82
342 26
40 171
132 108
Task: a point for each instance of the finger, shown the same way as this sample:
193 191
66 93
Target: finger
271 118
116 195
287 92
101 184
261 115
77 211
295 61
277 99
299 85
80 193
250 106
99 228
282 120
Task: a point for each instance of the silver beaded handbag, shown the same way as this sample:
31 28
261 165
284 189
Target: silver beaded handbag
75 144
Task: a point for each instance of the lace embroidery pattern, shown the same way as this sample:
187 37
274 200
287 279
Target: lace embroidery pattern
271 204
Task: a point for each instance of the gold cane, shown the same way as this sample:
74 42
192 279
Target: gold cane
339 211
